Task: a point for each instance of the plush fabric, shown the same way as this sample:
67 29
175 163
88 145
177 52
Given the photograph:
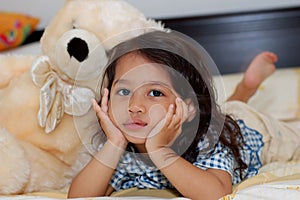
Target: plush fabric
15 28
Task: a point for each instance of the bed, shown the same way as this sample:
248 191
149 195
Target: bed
233 40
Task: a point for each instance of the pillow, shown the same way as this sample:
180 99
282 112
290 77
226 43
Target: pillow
15 28
278 95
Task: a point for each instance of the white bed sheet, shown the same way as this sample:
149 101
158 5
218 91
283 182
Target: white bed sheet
274 191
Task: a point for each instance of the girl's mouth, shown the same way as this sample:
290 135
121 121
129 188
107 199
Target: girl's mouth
135 124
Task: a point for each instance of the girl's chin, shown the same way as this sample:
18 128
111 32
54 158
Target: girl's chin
136 140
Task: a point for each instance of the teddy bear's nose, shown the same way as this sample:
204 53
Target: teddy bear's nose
78 48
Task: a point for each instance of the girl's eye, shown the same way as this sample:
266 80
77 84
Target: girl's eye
124 92
156 93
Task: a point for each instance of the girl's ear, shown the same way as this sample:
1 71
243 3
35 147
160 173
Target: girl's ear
191 109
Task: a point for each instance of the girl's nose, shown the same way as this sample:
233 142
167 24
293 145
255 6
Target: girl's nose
136 104
135 109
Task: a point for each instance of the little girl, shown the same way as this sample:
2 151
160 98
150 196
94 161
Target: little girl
163 127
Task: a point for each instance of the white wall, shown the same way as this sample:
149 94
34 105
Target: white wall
45 9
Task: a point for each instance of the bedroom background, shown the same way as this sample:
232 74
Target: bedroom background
233 32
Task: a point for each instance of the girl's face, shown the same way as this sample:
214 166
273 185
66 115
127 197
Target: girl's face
140 96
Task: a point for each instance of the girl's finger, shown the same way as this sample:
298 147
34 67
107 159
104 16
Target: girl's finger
104 101
169 115
177 117
185 111
96 107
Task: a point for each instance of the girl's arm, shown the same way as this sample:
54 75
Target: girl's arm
94 179
191 181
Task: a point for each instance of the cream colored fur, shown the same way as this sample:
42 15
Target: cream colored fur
34 158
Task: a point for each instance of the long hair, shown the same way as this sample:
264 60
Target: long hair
192 66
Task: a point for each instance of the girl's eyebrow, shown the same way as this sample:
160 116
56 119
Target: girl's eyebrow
126 81
120 81
158 83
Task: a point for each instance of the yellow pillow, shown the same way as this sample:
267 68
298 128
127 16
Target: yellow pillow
15 28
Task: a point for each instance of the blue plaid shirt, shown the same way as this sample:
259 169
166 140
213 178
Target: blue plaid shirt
133 172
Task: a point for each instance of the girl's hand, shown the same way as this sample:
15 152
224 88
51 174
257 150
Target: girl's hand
167 130
112 133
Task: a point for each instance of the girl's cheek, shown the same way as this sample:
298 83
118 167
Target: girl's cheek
114 113
118 104
113 110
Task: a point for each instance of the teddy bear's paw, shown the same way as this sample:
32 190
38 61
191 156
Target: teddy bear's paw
14 168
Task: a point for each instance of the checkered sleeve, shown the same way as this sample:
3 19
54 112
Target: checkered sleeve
221 158
120 180
251 152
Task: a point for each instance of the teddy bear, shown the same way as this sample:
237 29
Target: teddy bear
47 125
